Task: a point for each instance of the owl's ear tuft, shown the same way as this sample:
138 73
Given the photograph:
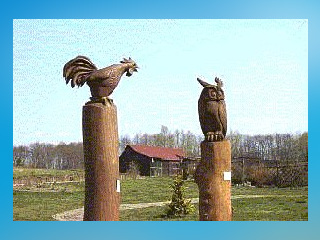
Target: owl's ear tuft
219 82
203 83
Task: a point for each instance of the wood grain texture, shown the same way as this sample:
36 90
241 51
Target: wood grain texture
100 145
214 191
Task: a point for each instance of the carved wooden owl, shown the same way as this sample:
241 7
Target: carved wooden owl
212 111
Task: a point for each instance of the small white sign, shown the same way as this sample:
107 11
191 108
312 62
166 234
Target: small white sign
118 185
227 176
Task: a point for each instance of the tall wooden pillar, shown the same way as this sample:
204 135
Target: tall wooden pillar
213 177
100 145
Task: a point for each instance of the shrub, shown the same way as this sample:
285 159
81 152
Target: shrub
133 171
179 205
259 175
237 174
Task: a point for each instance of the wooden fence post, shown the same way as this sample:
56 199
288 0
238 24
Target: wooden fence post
213 176
100 147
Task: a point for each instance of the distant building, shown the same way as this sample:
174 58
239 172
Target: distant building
155 161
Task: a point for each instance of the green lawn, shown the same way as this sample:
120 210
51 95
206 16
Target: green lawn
266 204
19 173
248 203
41 206
152 190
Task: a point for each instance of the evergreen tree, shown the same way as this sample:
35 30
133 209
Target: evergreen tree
179 205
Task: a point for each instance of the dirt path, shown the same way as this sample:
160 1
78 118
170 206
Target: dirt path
77 214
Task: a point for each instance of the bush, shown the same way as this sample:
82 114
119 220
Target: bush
260 175
133 171
237 174
292 176
179 205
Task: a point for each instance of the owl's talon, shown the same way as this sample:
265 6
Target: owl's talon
210 137
214 137
218 137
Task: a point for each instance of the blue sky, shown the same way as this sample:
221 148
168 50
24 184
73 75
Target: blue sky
263 63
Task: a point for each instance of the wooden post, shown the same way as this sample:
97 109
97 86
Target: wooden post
213 176
100 146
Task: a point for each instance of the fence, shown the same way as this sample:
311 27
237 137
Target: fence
269 172
257 172
38 180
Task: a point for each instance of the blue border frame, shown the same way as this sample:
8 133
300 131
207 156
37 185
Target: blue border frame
227 9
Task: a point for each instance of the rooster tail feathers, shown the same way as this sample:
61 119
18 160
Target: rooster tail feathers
77 70
80 61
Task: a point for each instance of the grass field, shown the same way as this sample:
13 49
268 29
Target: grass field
19 173
40 203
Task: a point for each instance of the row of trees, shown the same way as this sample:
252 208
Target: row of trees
43 155
283 147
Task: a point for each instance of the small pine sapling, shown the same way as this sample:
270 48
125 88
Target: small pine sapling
179 205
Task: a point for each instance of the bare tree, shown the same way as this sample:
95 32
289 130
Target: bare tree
20 155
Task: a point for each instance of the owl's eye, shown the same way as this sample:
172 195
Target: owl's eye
220 94
212 94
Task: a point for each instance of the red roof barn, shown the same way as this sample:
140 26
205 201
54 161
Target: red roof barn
152 161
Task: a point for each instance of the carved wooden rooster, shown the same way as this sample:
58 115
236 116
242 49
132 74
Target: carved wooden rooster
102 82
